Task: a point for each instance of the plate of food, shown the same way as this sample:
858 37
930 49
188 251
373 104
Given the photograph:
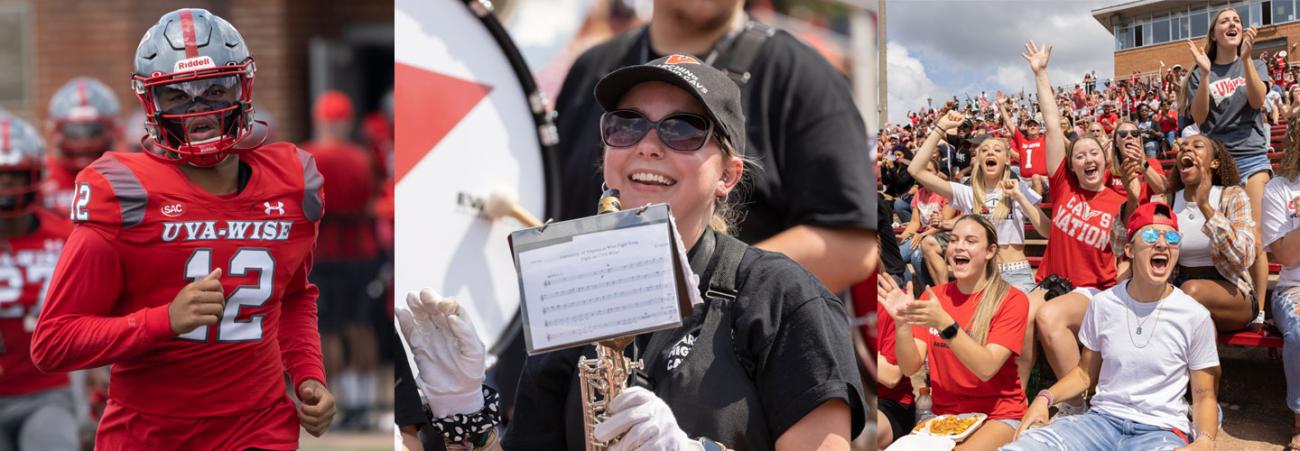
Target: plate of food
955 427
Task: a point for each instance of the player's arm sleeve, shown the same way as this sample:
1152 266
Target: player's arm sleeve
299 338
76 329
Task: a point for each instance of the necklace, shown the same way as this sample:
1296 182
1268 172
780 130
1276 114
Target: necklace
1133 310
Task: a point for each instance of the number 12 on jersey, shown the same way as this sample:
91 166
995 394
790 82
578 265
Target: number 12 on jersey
229 329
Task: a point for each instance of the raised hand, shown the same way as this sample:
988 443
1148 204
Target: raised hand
1202 60
951 120
447 353
890 296
1247 42
1037 56
1011 187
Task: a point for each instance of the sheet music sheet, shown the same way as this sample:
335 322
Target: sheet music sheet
600 284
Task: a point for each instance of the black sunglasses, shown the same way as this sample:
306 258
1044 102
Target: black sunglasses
684 132
1128 133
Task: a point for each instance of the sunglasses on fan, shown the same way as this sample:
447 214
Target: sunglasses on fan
686 132
1150 236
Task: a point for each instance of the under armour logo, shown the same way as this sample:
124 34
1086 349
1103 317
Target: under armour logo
278 208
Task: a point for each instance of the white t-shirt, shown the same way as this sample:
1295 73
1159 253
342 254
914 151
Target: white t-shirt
1143 377
1195 249
1010 230
1278 218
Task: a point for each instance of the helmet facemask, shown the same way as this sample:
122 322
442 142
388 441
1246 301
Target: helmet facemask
198 117
80 142
20 195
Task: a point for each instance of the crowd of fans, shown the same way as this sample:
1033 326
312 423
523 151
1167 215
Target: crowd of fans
1158 197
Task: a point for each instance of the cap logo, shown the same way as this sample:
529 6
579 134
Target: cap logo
681 59
200 62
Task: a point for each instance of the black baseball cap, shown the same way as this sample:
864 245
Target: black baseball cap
712 88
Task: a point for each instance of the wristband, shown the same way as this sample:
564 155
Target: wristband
474 428
1047 394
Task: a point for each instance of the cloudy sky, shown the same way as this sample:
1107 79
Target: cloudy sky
939 49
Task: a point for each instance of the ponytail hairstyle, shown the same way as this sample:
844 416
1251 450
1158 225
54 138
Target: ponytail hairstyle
995 289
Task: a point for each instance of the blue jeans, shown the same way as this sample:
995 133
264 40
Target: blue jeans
1022 279
903 208
916 258
1096 431
1286 313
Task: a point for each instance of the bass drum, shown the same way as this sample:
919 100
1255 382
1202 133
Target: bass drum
470 121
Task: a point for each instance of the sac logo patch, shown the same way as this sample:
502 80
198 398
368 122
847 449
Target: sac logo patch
681 59
173 210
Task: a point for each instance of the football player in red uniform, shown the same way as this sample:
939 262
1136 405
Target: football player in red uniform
83 124
36 408
187 268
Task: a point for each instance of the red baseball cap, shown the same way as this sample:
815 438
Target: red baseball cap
332 106
1145 215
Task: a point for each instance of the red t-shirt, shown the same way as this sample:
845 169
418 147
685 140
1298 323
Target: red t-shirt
347 232
26 265
1078 247
1169 122
954 388
1108 121
1033 159
902 393
147 232
1117 184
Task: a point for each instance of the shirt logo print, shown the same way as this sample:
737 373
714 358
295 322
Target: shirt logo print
278 208
173 210
680 350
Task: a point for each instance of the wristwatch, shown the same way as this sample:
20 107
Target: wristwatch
949 332
711 445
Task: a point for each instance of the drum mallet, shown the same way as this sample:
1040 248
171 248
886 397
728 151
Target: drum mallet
500 204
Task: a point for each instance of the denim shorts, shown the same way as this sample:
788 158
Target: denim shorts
1286 314
1022 278
1249 165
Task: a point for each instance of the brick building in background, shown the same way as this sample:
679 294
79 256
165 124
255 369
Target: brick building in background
1150 31
301 48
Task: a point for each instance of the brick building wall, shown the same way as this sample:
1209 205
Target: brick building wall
98 39
1147 59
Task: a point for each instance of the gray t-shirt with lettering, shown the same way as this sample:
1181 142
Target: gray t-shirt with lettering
1232 121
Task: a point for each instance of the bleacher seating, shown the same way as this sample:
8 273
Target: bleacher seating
1036 243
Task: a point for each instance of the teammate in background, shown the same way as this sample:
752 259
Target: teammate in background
36 408
346 257
200 246
83 124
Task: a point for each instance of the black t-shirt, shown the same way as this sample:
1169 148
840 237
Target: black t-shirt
891 258
802 125
897 180
954 159
783 320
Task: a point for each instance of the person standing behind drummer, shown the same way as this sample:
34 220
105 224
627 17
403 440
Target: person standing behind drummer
814 191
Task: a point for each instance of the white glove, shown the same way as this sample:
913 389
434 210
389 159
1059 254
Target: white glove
447 352
648 422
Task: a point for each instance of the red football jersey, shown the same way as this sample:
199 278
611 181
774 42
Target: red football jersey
26 265
955 389
56 188
1033 157
347 232
144 231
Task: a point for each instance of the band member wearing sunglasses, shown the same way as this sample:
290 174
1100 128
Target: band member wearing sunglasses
1218 233
1139 400
771 368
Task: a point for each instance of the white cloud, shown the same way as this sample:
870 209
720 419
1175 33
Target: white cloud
908 83
973 46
